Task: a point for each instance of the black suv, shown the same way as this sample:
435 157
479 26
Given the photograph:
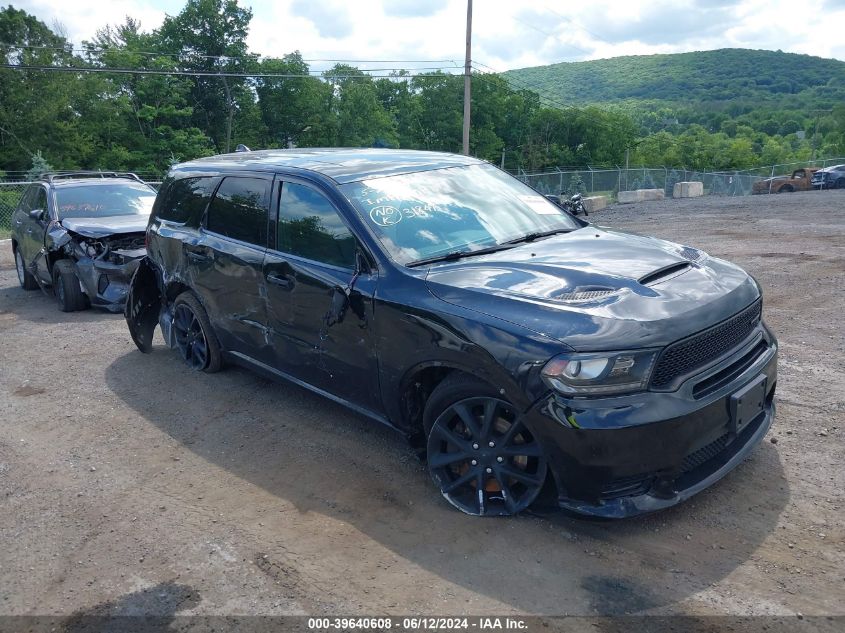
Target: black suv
518 346
829 178
83 234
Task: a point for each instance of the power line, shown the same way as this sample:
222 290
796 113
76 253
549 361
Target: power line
552 35
247 57
577 25
525 86
192 73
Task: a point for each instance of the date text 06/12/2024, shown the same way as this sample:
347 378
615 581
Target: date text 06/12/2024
417 623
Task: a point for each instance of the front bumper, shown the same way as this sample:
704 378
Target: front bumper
106 283
619 457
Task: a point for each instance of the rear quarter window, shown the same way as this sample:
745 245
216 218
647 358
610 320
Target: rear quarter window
185 200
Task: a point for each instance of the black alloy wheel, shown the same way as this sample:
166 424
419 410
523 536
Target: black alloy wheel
839 184
190 339
194 336
484 458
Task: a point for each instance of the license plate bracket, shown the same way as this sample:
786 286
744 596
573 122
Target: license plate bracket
747 403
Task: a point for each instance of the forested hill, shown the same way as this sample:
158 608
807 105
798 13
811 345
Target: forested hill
705 77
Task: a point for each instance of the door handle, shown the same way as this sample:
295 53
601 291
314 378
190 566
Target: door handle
283 281
196 256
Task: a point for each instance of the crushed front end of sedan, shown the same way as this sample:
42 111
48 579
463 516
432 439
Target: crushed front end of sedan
104 254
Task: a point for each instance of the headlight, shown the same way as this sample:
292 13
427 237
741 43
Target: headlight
600 372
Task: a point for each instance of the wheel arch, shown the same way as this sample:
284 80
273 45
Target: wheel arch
421 380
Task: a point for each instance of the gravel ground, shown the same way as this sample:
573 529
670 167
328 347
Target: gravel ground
130 484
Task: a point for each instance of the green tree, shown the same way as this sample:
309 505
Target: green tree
35 110
209 36
293 109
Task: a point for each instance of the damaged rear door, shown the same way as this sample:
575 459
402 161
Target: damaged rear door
320 297
226 262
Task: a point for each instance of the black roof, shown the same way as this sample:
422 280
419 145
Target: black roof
342 164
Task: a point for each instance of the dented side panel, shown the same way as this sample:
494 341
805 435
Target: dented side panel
320 323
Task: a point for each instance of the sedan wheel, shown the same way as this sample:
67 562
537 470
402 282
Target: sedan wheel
26 280
483 457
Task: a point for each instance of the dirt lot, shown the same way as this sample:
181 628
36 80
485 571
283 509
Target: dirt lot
129 483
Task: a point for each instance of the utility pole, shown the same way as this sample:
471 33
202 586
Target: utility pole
467 78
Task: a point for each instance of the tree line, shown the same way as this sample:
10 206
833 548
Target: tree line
139 100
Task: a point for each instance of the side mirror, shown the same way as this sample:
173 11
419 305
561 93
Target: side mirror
337 307
37 214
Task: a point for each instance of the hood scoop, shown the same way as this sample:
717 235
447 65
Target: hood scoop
587 293
662 274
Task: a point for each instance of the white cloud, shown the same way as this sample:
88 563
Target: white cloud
79 20
506 34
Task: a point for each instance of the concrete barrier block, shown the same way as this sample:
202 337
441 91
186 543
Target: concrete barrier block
651 194
627 197
594 203
692 189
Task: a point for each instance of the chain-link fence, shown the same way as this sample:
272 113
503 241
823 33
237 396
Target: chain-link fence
610 181
598 181
10 195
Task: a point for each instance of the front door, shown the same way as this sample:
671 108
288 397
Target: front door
320 298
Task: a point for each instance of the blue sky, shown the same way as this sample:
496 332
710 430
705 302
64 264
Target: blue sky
506 34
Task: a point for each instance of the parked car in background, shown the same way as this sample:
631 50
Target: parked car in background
800 180
81 234
519 347
829 178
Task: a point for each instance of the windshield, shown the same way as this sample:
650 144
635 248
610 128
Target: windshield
97 201
424 215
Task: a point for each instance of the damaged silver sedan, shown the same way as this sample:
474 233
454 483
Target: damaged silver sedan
80 236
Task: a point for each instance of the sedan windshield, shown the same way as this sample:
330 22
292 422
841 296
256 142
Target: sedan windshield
453 212
96 201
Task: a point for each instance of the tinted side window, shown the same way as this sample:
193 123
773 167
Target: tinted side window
310 227
186 199
240 209
39 200
28 197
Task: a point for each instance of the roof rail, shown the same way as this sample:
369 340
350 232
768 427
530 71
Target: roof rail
59 175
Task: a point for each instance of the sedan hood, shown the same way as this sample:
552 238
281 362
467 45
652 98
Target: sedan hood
597 289
106 226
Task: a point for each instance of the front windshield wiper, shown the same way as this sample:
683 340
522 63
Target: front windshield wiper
453 255
530 237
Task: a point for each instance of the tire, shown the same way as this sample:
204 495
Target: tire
839 184
66 287
25 279
195 338
480 454
786 189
